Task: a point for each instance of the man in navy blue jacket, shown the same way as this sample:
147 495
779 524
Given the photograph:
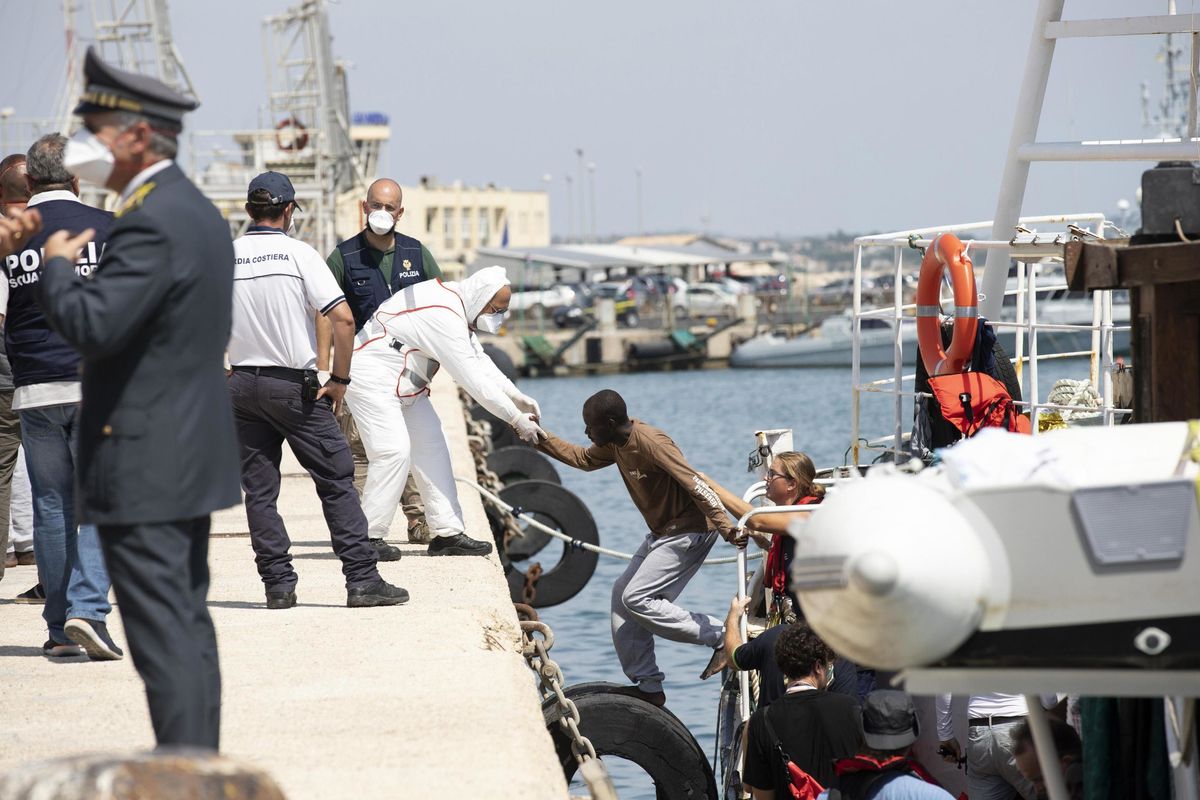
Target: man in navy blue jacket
158 452
46 376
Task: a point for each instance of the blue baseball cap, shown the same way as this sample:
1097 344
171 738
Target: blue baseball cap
277 187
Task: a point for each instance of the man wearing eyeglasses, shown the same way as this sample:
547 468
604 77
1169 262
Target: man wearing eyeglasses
371 266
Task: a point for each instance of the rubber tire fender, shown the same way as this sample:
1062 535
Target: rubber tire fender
502 433
630 728
558 508
502 361
516 463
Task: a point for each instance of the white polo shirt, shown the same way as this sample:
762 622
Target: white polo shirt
278 285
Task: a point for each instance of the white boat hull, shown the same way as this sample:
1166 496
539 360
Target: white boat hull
774 351
765 352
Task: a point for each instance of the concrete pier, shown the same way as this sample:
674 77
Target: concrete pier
429 699
606 351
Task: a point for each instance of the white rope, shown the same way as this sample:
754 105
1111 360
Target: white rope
594 548
1079 393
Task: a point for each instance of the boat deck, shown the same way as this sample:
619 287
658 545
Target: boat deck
429 699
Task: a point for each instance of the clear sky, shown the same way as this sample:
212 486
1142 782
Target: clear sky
770 117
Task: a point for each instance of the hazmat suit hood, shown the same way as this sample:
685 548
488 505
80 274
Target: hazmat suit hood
478 290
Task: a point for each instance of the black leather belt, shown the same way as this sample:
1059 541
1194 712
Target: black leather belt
283 373
985 722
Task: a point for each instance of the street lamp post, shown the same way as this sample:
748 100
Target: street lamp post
570 211
548 179
592 176
582 187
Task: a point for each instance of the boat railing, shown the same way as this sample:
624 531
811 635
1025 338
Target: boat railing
1029 248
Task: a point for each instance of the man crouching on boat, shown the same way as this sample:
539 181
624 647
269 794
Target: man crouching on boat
416 331
684 516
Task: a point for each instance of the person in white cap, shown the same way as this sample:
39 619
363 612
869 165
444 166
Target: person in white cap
408 338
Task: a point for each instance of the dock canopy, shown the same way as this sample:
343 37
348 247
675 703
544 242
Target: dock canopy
597 262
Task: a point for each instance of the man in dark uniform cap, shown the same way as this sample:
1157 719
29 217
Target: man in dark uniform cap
157 447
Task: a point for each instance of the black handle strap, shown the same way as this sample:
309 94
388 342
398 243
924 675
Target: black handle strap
775 742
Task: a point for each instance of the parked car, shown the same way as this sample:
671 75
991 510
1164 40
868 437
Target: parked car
646 286
839 292
705 299
538 303
734 286
764 284
625 302
668 285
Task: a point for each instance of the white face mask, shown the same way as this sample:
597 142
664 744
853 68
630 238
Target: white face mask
490 323
381 222
88 158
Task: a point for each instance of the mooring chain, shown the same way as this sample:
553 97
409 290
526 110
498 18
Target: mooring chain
536 649
529 591
479 436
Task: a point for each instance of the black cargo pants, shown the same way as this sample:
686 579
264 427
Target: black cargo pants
269 410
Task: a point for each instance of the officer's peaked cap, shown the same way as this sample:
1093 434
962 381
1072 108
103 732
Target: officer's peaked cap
112 89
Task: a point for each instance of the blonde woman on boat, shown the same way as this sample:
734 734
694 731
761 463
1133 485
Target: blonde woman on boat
791 481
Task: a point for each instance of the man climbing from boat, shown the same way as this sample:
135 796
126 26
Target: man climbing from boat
684 515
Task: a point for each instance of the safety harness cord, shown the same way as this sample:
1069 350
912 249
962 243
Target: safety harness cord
604 551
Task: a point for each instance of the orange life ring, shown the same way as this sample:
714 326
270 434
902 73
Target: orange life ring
299 136
946 250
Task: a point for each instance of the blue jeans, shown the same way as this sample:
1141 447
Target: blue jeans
70 563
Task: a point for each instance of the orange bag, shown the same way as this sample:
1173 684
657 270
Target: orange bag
801 785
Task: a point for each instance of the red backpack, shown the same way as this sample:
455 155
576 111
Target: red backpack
801 785
974 400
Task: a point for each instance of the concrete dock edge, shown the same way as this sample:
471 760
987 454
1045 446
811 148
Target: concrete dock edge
429 699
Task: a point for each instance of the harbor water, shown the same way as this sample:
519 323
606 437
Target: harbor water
712 416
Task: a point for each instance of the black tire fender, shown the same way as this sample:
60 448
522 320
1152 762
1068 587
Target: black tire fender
557 508
502 433
630 728
502 361
517 463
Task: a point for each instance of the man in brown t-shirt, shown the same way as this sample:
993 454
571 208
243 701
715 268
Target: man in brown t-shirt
684 515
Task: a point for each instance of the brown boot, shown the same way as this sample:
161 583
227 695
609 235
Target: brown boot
653 698
418 531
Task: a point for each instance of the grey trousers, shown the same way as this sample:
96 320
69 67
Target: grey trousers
992 772
643 604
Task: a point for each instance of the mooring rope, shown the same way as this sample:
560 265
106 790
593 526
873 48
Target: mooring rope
575 543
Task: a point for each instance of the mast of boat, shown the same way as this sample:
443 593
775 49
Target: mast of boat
1024 149
1175 115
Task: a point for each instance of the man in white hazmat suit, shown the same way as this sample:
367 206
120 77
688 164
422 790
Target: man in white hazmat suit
419 329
